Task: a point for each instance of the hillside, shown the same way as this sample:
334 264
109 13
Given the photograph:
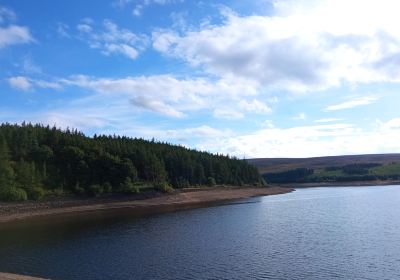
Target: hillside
330 169
36 161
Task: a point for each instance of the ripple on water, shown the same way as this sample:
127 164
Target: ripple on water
318 233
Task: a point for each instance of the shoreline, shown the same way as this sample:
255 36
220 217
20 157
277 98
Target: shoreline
339 184
10 276
185 199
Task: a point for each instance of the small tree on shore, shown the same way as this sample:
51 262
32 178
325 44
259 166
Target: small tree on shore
211 182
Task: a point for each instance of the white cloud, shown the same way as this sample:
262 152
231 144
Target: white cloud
121 3
356 102
27 84
228 114
14 34
20 83
137 11
6 15
300 117
254 106
207 131
140 5
318 140
302 47
268 124
79 119
393 124
63 30
327 120
124 49
171 96
112 39
47 85
10 33
29 66
84 28
156 106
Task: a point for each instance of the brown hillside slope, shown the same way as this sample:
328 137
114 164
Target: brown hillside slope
271 165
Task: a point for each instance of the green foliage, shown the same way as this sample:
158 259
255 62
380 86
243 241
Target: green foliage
392 169
13 194
6 170
345 173
181 183
95 190
35 158
57 192
297 175
107 188
36 193
164 187
211 182
128 187
77 189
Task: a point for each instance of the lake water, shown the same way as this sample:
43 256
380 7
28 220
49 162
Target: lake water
315 233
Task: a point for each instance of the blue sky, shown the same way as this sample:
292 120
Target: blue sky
272 78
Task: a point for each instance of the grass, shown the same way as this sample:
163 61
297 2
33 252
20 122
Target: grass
389 169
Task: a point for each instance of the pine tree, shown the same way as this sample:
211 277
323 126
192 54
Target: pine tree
36 158
6 171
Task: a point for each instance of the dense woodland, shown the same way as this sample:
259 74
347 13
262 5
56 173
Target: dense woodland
36 160
295 175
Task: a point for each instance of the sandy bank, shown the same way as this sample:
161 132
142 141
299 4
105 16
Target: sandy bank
169 202
8 276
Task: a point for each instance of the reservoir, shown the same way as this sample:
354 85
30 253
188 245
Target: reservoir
312 233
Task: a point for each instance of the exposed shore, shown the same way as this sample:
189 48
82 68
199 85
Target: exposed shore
189 198
9 276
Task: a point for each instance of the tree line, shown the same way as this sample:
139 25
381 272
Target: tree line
36 160
298 175
345 173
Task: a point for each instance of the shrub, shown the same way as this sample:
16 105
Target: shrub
181 183
107 188
36 193
13 194
128 187
211 182
78 190
95 190
164 187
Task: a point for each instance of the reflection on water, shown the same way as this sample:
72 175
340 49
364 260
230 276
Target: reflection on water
318 233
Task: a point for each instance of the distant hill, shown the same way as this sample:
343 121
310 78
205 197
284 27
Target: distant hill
329 169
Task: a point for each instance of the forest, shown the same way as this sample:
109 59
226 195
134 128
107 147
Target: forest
38 160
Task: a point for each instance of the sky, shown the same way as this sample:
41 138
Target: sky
255 78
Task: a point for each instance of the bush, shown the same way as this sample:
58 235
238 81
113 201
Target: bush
181 183
78 190
128 187
164 187
36 193
13 194
211 182
107 188
57 192
95 190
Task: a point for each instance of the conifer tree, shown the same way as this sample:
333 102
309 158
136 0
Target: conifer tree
6 171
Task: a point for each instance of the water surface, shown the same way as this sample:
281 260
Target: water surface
315 233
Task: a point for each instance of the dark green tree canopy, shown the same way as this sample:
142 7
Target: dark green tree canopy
37 157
